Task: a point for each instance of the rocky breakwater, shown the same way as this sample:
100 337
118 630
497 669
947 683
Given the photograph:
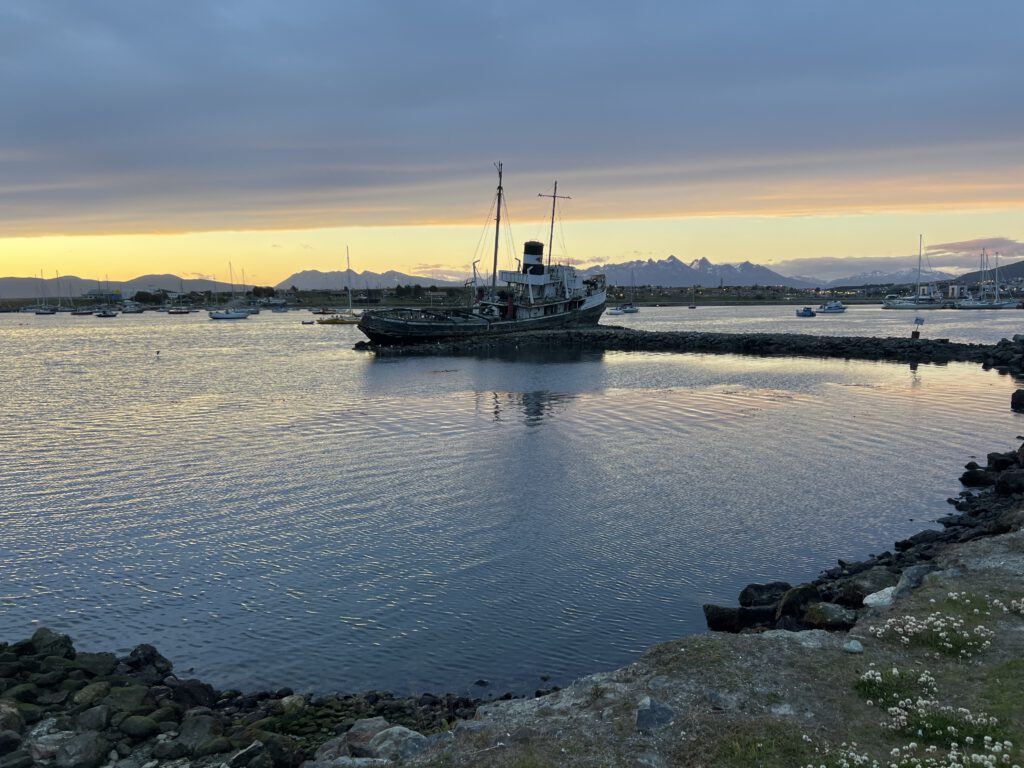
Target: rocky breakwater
68 709
837 598
612 338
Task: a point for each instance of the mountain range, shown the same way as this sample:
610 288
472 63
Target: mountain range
669 272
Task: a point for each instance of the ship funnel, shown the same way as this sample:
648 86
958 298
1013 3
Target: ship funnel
533 258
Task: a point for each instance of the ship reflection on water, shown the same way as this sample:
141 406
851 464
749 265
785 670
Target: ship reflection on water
532 407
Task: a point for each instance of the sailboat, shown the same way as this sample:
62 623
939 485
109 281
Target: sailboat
534 297
988 296
348 316
230 314
630 307
44 308
925 297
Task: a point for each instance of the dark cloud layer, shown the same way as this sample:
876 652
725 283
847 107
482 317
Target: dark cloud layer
146 115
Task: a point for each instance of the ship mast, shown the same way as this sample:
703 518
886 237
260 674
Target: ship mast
555 197
497 229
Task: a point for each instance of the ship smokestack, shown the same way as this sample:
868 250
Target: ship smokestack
533 258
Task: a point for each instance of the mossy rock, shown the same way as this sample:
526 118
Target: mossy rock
213 746
139 727
26 692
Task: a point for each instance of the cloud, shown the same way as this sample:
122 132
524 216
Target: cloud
971 249
153 116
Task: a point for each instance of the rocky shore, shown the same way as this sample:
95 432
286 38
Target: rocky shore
1007 356
70 709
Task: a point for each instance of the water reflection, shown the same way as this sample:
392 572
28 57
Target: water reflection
533 407
535 355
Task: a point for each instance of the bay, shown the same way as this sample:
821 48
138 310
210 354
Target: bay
270 507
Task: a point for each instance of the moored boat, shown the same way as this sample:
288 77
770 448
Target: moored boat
831 308
806 312
538 296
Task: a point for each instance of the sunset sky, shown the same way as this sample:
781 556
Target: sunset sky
816 137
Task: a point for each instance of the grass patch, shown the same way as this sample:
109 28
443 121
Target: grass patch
762 743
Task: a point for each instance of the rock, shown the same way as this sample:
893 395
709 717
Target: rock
96 664
652 715
10 718
46 642
91 694
977 478
26 692
997 462
723 619
911 579
86 750
1011 481
197 729
853 646
293 703
146 663
397 743
246 756
852 590
763 594
9 741
43 746
17 759
359 735
94 719
829 616
795 601
213 746
193 693
139 727
170 750
133 699
882 599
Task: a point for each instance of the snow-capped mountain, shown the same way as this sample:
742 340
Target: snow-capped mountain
673 273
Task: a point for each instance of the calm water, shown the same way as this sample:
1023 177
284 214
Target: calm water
270 507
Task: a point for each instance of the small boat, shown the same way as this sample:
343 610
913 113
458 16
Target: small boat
229 314
615 311
341 319
309 322
806 312
831 308
105 312
177 310
629 308
537 296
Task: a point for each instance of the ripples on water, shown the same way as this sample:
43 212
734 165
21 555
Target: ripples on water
265 504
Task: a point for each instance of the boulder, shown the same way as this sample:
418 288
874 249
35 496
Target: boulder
397 743
829 616
94 719
132 699
911 579
46 642
724 619
91 694
1011 481
998 462
197 729
795 601
651 715
139 727
85 750
978 478
193 693
146 663
882 599
96 664
763 594
10 718
851 591
9 741
358 737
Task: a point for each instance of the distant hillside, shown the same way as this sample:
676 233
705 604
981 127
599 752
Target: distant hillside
315 280
72 286
900 277
672 273
1007 273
